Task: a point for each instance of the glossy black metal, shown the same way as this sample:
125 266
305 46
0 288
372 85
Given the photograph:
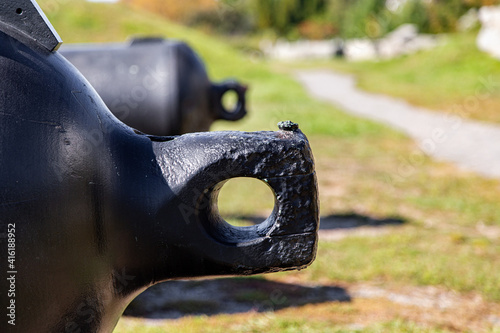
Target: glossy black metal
157 86
25 17
92 212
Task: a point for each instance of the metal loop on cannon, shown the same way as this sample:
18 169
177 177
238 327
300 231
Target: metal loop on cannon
226 233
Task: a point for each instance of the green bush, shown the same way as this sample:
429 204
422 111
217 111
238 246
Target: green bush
438 16
317 29
226 20
285 15
365 18
314 19
358 18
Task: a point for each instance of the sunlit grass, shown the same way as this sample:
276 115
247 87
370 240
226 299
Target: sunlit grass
412 256
305 319
454 77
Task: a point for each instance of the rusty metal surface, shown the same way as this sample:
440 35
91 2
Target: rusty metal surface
93 212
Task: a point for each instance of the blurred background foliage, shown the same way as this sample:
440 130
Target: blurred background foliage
314 19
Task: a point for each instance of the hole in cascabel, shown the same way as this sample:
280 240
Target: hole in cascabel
245 202
230 101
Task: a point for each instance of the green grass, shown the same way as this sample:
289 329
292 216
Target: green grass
286 326
362 168
412 256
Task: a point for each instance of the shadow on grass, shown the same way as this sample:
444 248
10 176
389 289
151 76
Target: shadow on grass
353 221
333 222
175 299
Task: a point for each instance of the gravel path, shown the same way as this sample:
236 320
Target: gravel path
469 144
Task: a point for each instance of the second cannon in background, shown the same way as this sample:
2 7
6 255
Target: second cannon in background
155 85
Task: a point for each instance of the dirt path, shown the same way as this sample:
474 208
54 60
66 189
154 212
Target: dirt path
469 144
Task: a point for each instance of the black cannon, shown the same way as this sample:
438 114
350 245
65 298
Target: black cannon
157 86
93 212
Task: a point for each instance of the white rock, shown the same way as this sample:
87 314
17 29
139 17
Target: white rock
403 40
468 21
395 43
404 33
360 49
305 49
488 39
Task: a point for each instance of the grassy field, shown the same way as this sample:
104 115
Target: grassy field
450 235
454 77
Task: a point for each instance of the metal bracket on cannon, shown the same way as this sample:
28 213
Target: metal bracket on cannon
25 18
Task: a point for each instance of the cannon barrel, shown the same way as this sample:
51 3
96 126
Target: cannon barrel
93 212
157 86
